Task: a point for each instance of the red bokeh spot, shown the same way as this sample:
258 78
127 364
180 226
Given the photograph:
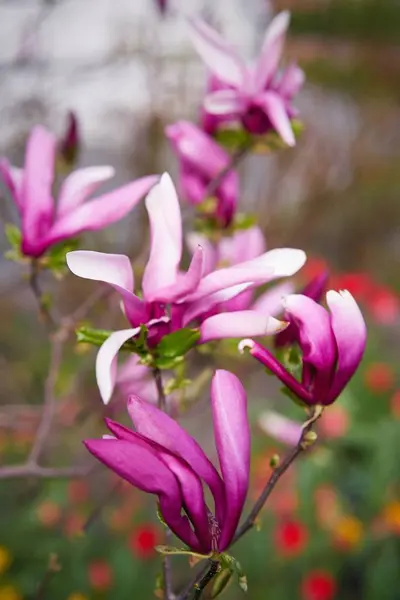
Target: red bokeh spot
334 422
100 575
318 585
395 404
291 537
143 539
379 377
78 491
48 513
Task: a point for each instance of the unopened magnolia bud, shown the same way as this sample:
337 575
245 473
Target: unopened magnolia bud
309 439
274 461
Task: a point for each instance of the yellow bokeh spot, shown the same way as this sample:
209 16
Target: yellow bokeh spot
8 592
77 596
348 531
391 515
5 559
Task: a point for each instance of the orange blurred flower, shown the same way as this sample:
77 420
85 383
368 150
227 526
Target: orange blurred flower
77 596
8 592
48 513
395 404
78 491
73 525
391 517
100 575
5 559
379 377
347 532
334 421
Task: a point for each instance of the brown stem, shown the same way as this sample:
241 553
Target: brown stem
199 587
37 292
233 163
33 470
162 401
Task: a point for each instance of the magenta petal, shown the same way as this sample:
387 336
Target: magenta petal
224 102
36 199
158 426
140 466
271 51
166 238
232 437
103 211
219 57
13 179
114 269
265 357
239 324
351 335
106 361
275 109
79 185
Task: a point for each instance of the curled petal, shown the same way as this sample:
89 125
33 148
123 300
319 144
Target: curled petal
265 357
159 427
114 269
275 109
224 102
138 463
239 324
102 211
219 57
271 51
232 437
79 185
351 335
280 262
166 238
106 361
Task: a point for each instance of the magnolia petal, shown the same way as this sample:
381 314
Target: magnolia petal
36 200
106 361
280 262
267 359
186 283
351 336
159 427
166 238
242 246
232 438
270 302
139 464
239 324
291 81
274 107
193 240
280 428
114 269
219 57
103 211
224 102
191 186
13 179
79 185
271 51
316 339
202 306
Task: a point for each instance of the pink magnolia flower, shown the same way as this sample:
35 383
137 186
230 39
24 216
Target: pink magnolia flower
259 96
332 345
280 428
44 222
172 299
161 458
201 161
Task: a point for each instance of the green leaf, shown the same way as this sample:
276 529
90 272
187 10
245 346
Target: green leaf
179 342
88 335
13 235
234 566
221 582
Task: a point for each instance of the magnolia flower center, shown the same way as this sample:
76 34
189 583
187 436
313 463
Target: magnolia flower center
255 120
215 531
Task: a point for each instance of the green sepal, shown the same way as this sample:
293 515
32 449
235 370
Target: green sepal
234 566
172 551
97 337
221 582
176 344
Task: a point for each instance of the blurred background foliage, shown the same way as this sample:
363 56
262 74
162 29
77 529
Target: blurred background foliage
332 526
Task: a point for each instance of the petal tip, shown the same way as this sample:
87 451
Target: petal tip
245 345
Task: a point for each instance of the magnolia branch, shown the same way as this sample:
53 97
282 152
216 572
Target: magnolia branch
233 163
37 292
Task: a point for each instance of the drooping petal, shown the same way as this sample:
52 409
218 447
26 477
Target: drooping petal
224 102
280 262
140 466
239 324
166 238
232 438
79 185
13 179
158 426
271 51
219 57
280 428
186 283
275 109
106 361
114 269
270 303
103 211
267 359
351 335
316 340
36 200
